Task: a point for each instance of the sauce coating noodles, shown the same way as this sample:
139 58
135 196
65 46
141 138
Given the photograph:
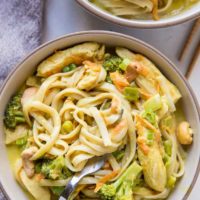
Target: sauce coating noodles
85 102
145 9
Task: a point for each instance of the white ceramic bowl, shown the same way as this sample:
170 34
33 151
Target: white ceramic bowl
182 190
188 14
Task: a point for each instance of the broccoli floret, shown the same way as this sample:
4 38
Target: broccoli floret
122 188
13 113
107 192
111 63
54 169
125 191
38 167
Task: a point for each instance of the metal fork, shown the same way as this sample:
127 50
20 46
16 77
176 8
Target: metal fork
92 166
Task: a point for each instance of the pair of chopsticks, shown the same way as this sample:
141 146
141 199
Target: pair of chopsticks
189 39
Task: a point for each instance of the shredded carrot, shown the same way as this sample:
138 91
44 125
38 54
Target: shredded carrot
155 9
117 129
147 125
114 105
143 146
119 81
105 179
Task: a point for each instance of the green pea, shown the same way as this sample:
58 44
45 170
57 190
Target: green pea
69 67
67 126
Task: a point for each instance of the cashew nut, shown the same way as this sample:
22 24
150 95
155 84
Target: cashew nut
184 133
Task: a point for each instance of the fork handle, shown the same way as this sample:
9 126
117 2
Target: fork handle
70 187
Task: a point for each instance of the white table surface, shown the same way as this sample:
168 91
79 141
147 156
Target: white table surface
65 16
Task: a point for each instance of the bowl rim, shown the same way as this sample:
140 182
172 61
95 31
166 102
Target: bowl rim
170 63
134 23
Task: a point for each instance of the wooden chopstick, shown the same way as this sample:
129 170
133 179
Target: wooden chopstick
193 61
188 41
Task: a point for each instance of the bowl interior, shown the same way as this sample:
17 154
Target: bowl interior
190 13
19 75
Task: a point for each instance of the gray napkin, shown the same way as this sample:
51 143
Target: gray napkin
20 32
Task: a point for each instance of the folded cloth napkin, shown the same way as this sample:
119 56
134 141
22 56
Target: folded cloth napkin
20 32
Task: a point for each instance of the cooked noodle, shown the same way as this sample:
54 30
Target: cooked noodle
142 9
102 121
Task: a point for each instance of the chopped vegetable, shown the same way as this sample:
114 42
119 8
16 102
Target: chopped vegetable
111 63
67 126
167 160
124 64
38 167
21 142
131 93
168 147
150 117
69 67
105 179
57 190
141 122
107 192
150 137
171 181
55 169
153 104
122 188
13 113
